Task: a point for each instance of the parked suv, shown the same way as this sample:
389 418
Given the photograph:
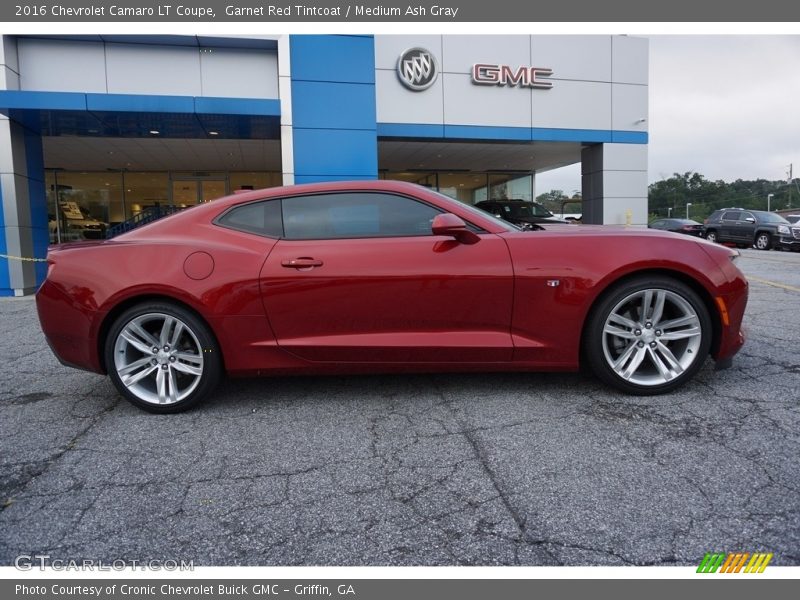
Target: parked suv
791 239
744 227
519 212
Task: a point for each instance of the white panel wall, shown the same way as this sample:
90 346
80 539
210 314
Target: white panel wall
573 105
77 66
61 66
460 52
468 104
9 64
585 57
585 93
629 104
164 70
236 73
395 106
630 59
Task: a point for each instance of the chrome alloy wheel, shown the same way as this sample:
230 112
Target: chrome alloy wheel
651 337
158 358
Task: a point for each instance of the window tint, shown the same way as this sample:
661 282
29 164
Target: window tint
355 215
262 218
658 224
732 215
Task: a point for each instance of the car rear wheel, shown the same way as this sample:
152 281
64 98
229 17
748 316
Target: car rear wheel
162 357
711 236
648 336
763 241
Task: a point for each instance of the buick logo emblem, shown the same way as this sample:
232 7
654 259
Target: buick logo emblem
417 69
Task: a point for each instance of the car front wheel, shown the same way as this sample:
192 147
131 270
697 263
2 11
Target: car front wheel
711 236
763 241
162 357
648 336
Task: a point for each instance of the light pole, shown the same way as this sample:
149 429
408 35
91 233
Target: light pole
769 199
669 212
688 204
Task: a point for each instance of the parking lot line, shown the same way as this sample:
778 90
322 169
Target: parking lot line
783 286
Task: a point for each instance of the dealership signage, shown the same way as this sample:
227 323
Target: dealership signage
504 75
417 69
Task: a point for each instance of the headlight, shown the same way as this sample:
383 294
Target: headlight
735 256
783 229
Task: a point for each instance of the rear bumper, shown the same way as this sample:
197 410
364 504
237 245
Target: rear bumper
68 328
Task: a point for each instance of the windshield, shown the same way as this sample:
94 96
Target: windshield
477 211
526 209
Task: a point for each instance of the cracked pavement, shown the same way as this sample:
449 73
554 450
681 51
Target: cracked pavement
475 469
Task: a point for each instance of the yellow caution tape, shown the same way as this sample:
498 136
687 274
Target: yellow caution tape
22 258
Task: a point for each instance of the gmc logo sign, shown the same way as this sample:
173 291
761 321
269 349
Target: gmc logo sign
484 74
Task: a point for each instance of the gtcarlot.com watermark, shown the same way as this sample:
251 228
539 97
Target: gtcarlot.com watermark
29 562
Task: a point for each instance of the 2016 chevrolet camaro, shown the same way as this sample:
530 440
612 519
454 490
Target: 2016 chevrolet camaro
383 276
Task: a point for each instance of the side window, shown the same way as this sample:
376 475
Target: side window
657 224
747 215
262 218
732 215
355 215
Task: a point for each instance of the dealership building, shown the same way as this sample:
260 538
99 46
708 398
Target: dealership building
99 133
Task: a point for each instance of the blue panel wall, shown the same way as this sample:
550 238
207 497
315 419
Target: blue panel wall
34 162
5 284
333 108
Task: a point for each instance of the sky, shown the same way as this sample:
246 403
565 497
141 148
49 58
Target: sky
725 106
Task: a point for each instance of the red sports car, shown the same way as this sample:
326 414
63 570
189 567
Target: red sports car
383 276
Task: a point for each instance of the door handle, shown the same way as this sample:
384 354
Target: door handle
304 262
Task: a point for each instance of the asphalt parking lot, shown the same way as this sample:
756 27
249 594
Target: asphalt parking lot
532 469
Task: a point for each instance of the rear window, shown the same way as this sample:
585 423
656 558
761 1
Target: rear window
262 218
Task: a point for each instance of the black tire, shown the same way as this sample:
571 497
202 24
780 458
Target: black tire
162 378
603 349
763 241
711 236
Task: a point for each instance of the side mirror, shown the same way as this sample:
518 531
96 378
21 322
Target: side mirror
750 220
454 226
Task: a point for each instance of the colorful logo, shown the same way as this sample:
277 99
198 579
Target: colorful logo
734 562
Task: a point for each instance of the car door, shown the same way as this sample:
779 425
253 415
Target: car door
747 228
359 277
728 226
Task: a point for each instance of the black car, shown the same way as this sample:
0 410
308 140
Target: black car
746 227
519 212
686 226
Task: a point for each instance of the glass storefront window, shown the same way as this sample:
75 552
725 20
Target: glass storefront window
254 180
472 187
506 186
143 190
84 205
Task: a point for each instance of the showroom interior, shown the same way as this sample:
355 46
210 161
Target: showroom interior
98 131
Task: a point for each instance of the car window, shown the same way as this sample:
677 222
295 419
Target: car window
747 215
658 224
772 218
732 215
262 218
355 215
